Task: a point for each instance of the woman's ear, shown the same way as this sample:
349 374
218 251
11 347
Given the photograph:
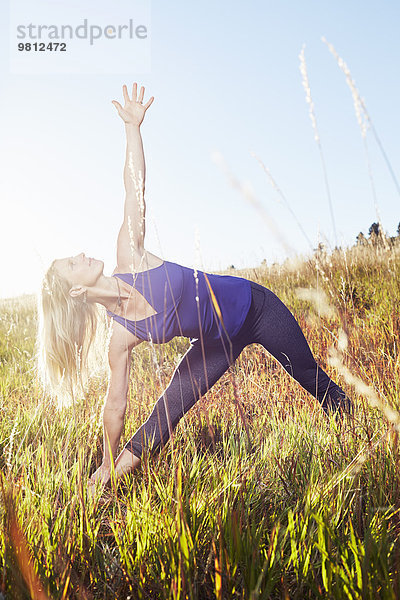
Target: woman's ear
77 290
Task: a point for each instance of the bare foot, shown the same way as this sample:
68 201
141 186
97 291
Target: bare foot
126 463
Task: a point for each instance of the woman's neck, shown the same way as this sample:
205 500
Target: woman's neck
106 292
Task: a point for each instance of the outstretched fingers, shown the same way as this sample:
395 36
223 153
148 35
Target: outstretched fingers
130 112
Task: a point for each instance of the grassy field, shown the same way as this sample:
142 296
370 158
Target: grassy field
258 494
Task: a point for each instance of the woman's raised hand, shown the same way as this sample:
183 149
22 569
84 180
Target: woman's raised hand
134 110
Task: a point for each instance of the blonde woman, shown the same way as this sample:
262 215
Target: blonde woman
150 299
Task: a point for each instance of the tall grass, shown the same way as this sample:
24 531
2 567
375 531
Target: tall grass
309 508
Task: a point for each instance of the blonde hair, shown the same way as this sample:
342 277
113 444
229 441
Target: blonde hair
67 327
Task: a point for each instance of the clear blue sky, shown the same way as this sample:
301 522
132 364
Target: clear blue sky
226 79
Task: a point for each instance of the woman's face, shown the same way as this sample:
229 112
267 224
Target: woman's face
79 270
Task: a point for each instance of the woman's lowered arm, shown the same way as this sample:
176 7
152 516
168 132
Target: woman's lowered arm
114 409
132 231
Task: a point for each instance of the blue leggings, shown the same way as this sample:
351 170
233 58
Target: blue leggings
270 323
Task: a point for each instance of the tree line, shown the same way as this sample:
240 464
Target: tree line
377 236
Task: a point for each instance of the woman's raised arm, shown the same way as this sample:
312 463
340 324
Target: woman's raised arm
132 232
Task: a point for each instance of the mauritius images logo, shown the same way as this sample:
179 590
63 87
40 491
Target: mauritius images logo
83 31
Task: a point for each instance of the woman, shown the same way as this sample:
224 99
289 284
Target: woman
149 299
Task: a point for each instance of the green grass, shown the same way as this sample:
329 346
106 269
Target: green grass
302 508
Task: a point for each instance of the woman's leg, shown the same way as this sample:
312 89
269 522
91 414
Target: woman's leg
278 331
193 377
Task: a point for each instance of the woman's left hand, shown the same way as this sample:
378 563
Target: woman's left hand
134 110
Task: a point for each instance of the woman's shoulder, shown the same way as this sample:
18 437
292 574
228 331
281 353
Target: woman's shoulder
140 262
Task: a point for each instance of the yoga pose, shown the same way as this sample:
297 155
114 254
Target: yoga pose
150 299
